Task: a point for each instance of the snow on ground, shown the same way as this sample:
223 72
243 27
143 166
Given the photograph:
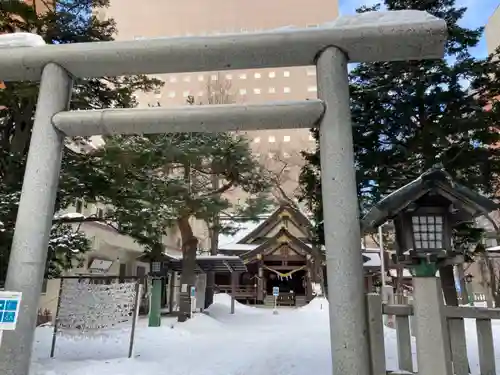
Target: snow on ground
251 342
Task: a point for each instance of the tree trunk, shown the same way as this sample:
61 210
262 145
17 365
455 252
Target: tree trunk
448 284
189 248
214 249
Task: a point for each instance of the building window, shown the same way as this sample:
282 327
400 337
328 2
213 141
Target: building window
79 206
243 76
286 90
311 71
229 76
200 93
171 94
312 89
172 79
158 96
187 79
214 77
272 90
256 140
185 94
243 31
272 74
201 78
256 91
271 139
286 74
257 75
243 91
286 138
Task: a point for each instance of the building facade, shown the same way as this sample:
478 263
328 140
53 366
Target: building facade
278 150
492 31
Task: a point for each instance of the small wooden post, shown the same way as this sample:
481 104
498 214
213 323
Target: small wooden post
458 346
234 277
403 337
376 333
485 346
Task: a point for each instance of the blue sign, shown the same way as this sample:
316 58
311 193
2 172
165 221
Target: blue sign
276 291
9 309
193 291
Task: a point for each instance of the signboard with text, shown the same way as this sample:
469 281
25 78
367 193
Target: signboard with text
9 310
276 291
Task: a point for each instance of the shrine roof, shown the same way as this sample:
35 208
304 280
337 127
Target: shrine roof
205 263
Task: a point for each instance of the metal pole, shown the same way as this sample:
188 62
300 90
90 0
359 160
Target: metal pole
34 218
382 257
135 316
344 264
56 320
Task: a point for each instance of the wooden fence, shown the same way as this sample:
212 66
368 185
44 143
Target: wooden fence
456 330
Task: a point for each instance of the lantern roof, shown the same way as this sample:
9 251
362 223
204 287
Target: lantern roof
433 188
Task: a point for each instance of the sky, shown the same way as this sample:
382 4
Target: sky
477 15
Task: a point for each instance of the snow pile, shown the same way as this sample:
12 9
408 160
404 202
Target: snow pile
317 304
222 306
251 341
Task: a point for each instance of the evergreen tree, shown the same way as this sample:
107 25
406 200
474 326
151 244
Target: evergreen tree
58 22
409 116
164 181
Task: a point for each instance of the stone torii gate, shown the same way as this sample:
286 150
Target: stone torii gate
369 37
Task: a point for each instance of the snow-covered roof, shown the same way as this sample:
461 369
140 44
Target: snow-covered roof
227 242
70 215
394 273
239 247
373 259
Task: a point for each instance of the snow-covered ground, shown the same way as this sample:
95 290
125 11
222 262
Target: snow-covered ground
251 342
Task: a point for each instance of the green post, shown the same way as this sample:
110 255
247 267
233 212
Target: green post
155 303
425 269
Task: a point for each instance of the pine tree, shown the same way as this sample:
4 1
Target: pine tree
409 116
164 181
58 22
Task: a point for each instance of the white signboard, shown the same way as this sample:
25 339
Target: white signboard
276 291
89 308
9 310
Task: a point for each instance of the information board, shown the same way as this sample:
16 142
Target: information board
9 310
276 291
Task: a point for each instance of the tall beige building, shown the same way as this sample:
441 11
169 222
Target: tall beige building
492 31
279 150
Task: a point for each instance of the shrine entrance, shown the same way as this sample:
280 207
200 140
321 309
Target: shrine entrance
291 284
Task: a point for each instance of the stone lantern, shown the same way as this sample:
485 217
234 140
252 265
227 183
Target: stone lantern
424 213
